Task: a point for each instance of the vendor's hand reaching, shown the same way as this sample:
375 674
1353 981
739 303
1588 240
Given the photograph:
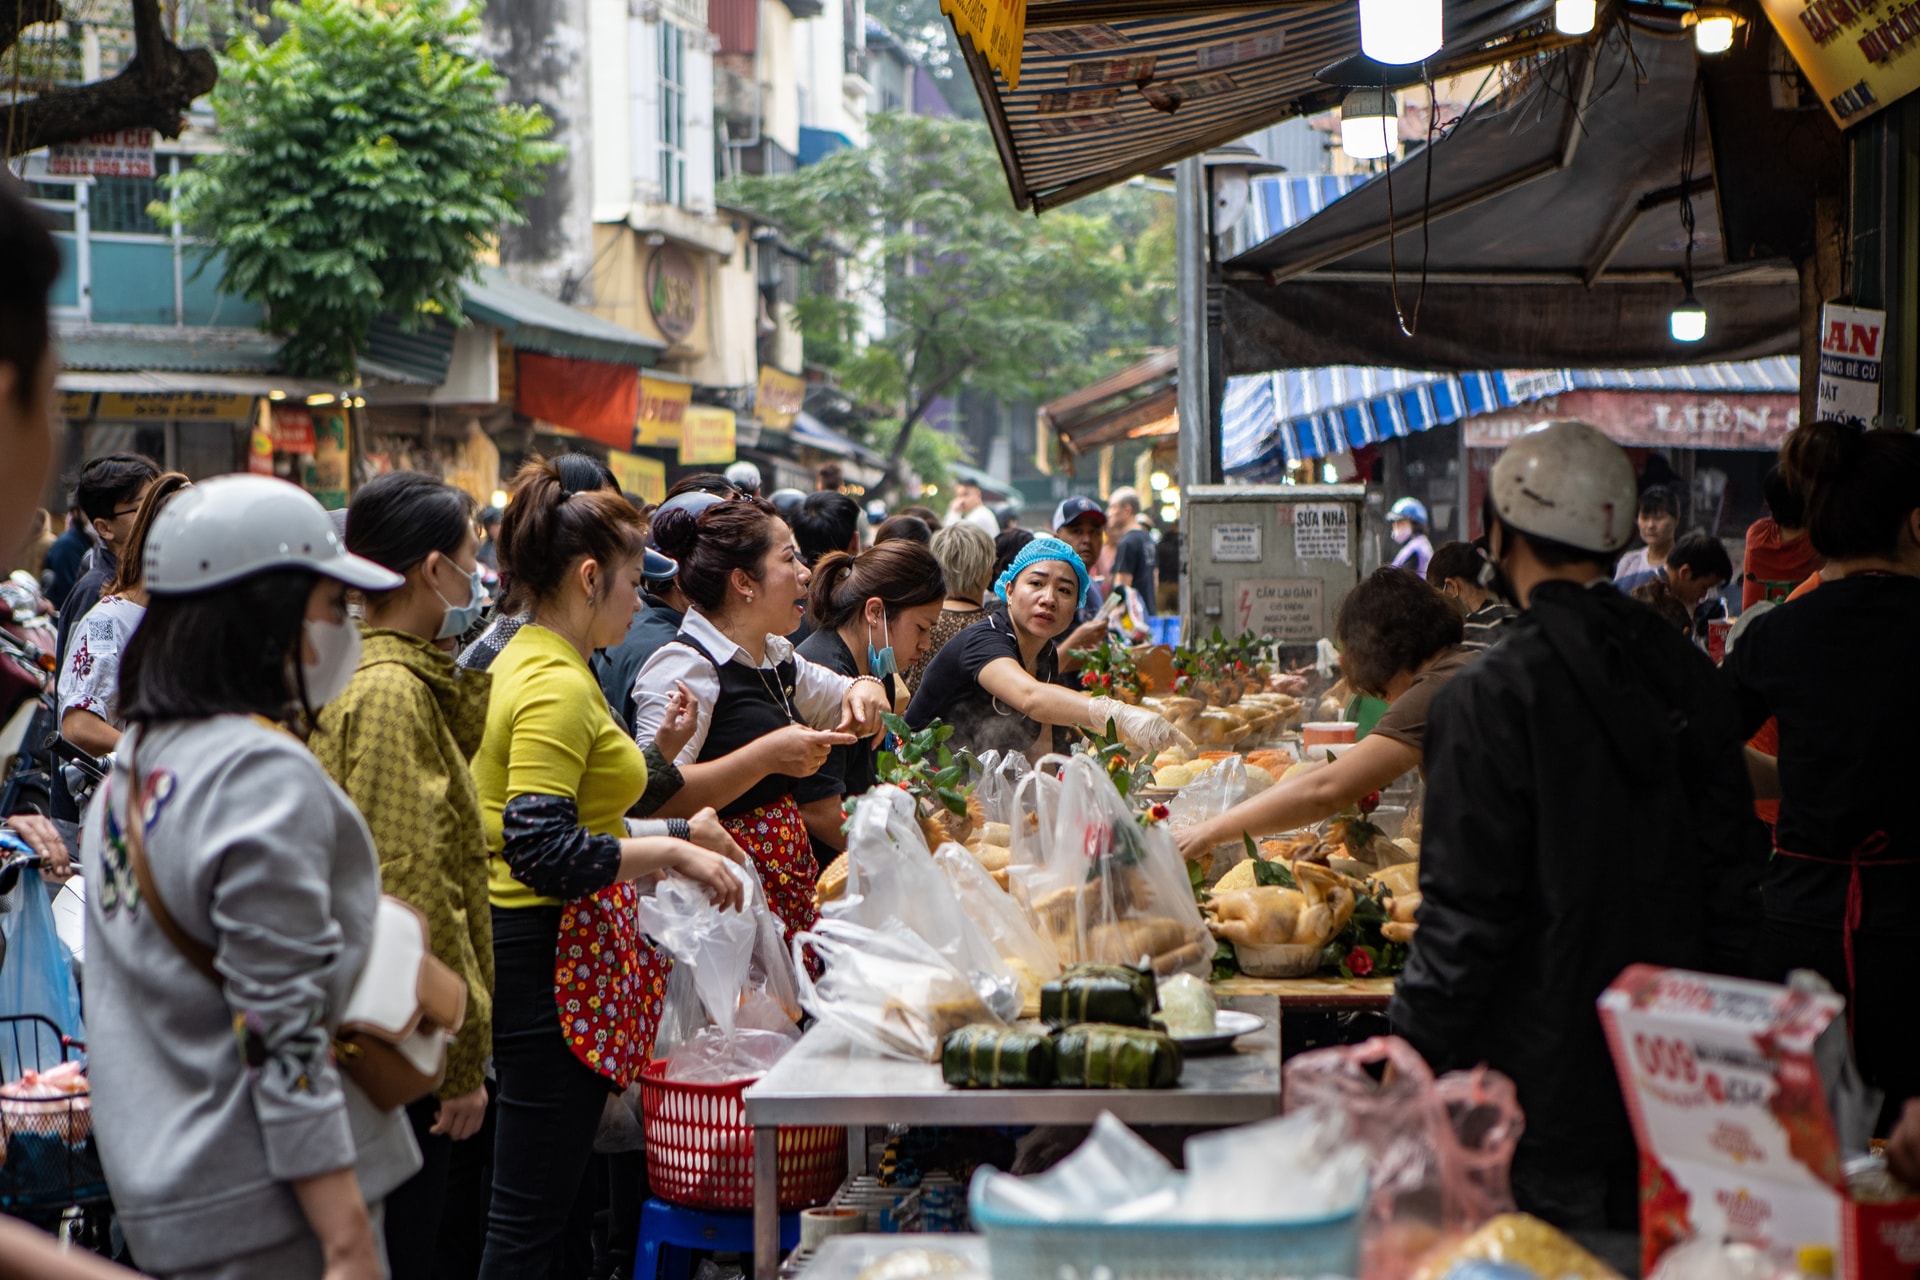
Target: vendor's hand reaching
798 751
711 872
44 839
1147 730
704 829
682 718
1197 841
865 703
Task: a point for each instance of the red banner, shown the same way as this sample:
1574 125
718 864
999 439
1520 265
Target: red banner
596 399
1653 419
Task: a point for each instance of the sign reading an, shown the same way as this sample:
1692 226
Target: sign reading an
1857 54
1291 610
673 292
1320 533
126 153
1236 544
1850 343
707 435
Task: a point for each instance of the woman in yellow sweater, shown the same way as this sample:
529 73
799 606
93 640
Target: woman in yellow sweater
578 991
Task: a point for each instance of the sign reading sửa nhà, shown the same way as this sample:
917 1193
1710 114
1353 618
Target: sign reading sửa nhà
998 29
1859 55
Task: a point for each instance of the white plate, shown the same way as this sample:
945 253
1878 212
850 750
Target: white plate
1228 1026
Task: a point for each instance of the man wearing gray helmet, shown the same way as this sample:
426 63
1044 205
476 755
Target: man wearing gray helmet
1535 895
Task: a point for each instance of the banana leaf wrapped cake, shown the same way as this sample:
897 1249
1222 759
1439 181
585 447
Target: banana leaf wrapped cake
1115 994
1094 1056
989 1057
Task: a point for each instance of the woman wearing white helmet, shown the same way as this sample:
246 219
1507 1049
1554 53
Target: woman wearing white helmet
1407 523
230 900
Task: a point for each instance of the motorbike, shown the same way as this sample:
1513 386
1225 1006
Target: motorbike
29 711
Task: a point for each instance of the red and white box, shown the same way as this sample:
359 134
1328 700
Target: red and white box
1724 1084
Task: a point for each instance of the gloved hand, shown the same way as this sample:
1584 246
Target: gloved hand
1147 730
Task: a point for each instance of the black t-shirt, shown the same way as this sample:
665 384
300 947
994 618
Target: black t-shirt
951 692
1136 555
1846 745
849 770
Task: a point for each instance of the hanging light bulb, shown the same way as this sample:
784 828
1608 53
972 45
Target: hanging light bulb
1689 319
1713 28
1369 121
1574 17
1400 31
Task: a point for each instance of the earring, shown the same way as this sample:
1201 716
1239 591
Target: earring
749 597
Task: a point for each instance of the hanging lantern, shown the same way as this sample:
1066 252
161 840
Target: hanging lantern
1574 17
1713 28
1400 31
1689 320
1369 124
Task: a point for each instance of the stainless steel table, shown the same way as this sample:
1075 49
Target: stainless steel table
822 1083
845 1257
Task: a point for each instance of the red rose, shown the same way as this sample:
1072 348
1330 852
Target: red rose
1370 802
1359 963
1159 812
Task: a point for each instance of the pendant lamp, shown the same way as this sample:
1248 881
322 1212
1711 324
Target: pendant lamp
1400 31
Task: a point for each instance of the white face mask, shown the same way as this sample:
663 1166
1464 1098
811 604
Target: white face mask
338 644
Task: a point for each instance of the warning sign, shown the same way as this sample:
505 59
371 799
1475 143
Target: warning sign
1320 533
1236 544
1850 341
1291 610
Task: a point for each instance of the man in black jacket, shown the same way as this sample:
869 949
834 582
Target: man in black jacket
1587 803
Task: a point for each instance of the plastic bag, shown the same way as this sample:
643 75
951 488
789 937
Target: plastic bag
1113 891
893 879
1441 1149
1031 957
999 776
1207 797
36 980
886 989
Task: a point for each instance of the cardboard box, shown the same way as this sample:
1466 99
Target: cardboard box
1726 1082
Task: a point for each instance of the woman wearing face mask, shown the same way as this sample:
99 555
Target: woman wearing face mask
994 682
234 1144
398 741
766 717
872 615
89 686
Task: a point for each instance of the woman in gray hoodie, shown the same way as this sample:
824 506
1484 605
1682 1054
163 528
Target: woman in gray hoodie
233 1144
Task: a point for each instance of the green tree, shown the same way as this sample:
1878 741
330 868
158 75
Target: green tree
930 281
369 162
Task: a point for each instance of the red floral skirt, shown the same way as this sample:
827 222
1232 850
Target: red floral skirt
608 983
775 837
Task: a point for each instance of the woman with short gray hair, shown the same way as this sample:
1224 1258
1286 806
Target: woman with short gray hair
965 553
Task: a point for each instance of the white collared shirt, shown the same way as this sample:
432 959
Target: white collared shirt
817 692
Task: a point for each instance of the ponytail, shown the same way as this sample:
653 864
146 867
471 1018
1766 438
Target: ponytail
549 527
734 533
903 574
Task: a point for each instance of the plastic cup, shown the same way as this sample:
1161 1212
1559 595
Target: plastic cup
1326 733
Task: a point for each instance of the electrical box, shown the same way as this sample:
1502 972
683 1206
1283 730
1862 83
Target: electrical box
1271 559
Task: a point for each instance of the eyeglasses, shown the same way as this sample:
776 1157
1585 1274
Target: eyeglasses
125 511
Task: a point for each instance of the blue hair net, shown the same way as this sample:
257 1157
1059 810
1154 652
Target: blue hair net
1045 549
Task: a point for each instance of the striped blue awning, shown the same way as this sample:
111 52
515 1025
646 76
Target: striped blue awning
1270 421
1281 201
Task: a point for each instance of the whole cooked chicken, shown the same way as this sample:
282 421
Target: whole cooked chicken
1271 916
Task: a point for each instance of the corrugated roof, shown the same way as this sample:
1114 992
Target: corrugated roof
535 322
1219 72
134 348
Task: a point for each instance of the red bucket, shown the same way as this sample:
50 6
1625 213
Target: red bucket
700 1149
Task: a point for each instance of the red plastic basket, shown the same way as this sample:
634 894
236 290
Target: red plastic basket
700 1150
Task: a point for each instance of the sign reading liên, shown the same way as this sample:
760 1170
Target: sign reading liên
1288 609
1850 343
1857 54
125 153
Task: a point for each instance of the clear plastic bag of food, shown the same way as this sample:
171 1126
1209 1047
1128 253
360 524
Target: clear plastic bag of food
1205 798
999 776
1114 891
886 989
892 879
1031 957
1441 1149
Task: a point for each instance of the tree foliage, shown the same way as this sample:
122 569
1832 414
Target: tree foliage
369 163
931 282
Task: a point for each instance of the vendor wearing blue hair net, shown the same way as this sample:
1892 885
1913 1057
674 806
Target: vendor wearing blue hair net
994 682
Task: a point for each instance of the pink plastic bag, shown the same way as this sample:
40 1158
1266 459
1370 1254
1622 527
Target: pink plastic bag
1441 1148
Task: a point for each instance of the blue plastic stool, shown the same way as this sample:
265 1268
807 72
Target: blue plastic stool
669 1234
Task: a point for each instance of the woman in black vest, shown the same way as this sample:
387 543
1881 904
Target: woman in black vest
765 717
872 615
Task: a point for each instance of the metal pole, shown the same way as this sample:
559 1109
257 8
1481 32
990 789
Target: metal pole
1197 447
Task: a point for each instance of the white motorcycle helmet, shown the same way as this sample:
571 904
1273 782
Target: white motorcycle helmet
232 527
1566 482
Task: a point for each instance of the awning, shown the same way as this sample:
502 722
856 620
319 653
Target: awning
1272 420
1114 88
168 350
531 321
809 431
1555 239
1138 401
988 485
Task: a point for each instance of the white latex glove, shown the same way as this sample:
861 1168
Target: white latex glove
1145 729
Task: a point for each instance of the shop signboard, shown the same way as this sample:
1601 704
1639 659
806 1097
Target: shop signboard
644 478
707 436
1850 342
1855 53
292 429
663 413
124 153
1652 418
76 406
158 406
778 397
673 292
328 475
998 30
